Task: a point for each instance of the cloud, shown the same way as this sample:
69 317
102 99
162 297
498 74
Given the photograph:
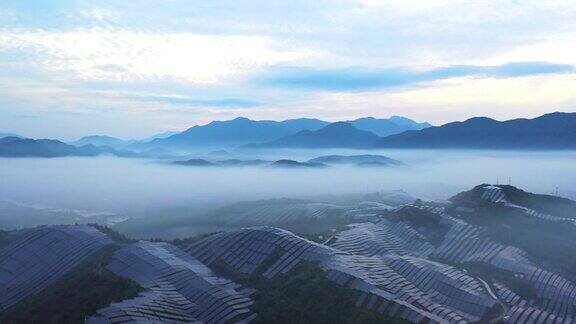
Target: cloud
168 64
187 101
124 55
355 79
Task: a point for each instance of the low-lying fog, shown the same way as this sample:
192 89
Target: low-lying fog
133 185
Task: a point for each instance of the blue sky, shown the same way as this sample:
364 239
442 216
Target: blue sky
133 68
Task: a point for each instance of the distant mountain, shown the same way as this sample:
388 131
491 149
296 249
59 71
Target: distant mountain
196 163
296 164
359 160
550 131
336 135
160 135
26 147
8 139
385 127
300 124
242 131
18 147
100 140
237 162
237 132
2 135
399 120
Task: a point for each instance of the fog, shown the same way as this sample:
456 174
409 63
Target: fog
109 184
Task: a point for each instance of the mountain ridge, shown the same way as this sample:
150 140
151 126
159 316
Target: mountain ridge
550 131
335 135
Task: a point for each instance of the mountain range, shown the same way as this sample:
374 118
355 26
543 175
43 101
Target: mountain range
235 132
550 131
2 135
335 135
242 131
26 147
100 140
386 127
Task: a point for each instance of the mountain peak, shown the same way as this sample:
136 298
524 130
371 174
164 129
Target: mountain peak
338 134
340 125
241 119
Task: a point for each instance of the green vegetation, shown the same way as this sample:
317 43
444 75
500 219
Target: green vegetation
518 285
113 235
76 296
548 204
557 206
303 295
186 242
426 222
169 223
551 244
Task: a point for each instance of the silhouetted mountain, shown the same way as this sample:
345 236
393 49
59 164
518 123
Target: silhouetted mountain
196 163
236 162
399 120
2 135
99 140
360 160
336 135
550 131
18 147
26 147
9 139
237 132
160 135
300 124
385 127
296 164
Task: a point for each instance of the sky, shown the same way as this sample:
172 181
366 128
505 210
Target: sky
130 69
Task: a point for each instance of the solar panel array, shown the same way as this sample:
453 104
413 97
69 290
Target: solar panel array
466 243
275 214
381 238
496 195
180 288
418 288
36 258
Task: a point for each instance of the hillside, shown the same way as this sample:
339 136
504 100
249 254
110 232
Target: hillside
491 254
358 160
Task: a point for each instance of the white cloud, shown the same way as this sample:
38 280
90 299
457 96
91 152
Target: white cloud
95 58
102 54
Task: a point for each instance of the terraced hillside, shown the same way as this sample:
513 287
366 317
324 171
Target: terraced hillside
296 215
407 287
179 289
530 287
492 254
36 258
